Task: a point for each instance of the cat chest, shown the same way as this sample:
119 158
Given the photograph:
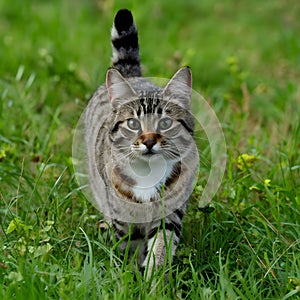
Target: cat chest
142 180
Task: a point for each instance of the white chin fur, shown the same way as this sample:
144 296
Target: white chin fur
149 173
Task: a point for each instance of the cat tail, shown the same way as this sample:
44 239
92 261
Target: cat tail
125 46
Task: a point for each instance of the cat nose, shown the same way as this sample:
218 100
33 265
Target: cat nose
149 143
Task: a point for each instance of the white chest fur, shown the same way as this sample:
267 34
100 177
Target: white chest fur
149 173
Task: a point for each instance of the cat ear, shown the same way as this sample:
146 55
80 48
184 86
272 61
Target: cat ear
118 88
179 87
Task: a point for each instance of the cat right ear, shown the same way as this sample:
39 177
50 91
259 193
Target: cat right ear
179 88
118 88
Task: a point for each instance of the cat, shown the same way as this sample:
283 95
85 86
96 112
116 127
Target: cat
142 158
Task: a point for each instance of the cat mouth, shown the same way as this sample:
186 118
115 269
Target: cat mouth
148 153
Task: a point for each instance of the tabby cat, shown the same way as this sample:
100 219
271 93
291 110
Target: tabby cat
142 157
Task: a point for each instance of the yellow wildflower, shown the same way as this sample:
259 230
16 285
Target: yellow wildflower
246 161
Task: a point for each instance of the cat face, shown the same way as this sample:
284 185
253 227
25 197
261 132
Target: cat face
150 123
142 129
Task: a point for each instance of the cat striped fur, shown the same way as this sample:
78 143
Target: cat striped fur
125 46
139 140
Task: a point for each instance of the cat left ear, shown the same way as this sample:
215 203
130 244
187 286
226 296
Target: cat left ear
179 87
118 88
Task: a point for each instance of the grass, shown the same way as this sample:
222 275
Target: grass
245 61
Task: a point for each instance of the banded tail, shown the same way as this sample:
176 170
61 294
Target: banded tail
125 46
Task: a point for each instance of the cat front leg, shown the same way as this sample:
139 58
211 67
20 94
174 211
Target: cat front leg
156 252
161 246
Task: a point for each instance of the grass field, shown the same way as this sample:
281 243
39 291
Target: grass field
245 58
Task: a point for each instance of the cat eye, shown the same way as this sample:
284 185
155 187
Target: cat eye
134 124
165 123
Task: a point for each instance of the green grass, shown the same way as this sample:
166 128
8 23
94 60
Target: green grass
245 58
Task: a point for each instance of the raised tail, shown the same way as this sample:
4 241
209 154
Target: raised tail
125 46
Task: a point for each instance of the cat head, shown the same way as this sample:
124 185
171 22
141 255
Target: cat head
148 122
178 89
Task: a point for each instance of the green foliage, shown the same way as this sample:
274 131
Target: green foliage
245 61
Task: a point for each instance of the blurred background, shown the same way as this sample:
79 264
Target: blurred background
244 56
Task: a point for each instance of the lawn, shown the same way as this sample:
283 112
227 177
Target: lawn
245 59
